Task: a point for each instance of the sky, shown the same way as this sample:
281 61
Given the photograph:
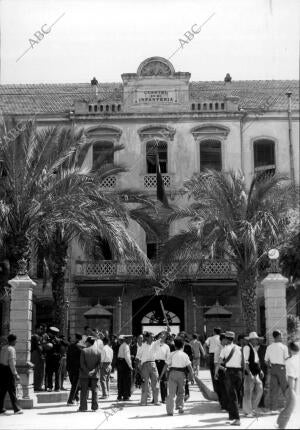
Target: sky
250 39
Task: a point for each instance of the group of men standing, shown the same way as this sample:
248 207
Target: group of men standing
239 374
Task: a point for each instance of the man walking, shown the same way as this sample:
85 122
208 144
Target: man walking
146 359
275 357
105 368
90 360
231 357
9 374
124 368
293 375
253 388
177 364
73 366
161 358
212 344
197 350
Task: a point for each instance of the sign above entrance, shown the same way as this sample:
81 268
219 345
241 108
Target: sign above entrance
156 96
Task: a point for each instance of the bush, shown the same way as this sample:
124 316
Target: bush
293 324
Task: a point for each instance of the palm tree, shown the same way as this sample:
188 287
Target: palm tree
241 223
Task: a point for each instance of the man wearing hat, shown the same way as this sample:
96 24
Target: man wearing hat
253 387
53 357
275 357
231 358
124 368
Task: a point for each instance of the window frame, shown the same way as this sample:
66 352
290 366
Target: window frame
210 139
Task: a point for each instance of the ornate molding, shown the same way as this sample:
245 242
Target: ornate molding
210 130
155 66
161 132
104 132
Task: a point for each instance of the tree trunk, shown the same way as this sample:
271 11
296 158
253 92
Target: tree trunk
58 292
247 286
57 266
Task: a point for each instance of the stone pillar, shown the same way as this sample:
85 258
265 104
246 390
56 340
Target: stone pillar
20 325
275 304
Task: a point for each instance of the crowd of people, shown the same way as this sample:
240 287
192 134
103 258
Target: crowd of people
162 365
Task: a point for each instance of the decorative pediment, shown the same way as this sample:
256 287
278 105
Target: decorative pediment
104 132
210 130
155 66
159 131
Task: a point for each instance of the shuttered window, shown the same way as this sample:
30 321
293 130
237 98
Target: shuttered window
103 153
210 155
152 148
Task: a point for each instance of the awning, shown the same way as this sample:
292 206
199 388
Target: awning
97 311
217 311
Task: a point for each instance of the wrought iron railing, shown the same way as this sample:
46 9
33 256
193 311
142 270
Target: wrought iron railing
150 181
107 269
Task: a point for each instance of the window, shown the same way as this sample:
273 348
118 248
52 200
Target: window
154 243
264 156
199 106
210 155
95 108
103 153
204 106
160 148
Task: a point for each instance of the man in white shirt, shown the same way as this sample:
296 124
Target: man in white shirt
161 357
177 364
146 358
253 387
293 375
9 375
212 343
231 357
275 357
124 368
105 367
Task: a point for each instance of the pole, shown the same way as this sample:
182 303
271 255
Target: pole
164 312
291 152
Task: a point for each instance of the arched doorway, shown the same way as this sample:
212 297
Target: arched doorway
148 315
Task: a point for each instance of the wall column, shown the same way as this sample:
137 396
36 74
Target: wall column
275 304
20 325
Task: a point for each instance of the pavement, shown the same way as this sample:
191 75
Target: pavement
199 414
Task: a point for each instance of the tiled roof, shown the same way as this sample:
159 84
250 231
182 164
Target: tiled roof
59 98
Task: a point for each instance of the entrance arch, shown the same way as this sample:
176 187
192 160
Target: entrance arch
148 315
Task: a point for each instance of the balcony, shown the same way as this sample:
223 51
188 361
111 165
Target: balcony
109 270
150 181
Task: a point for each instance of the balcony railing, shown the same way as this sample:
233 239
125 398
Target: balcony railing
107 269
109 182
150 181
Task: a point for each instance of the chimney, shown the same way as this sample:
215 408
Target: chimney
94 84
227 78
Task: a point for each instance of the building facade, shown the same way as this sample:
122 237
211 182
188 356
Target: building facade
240 125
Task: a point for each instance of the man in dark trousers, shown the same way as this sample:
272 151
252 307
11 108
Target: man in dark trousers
73 366
231 357
9 374
53 357
38 357
90 359
124 367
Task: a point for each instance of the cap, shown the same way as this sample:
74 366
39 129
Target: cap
230 334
